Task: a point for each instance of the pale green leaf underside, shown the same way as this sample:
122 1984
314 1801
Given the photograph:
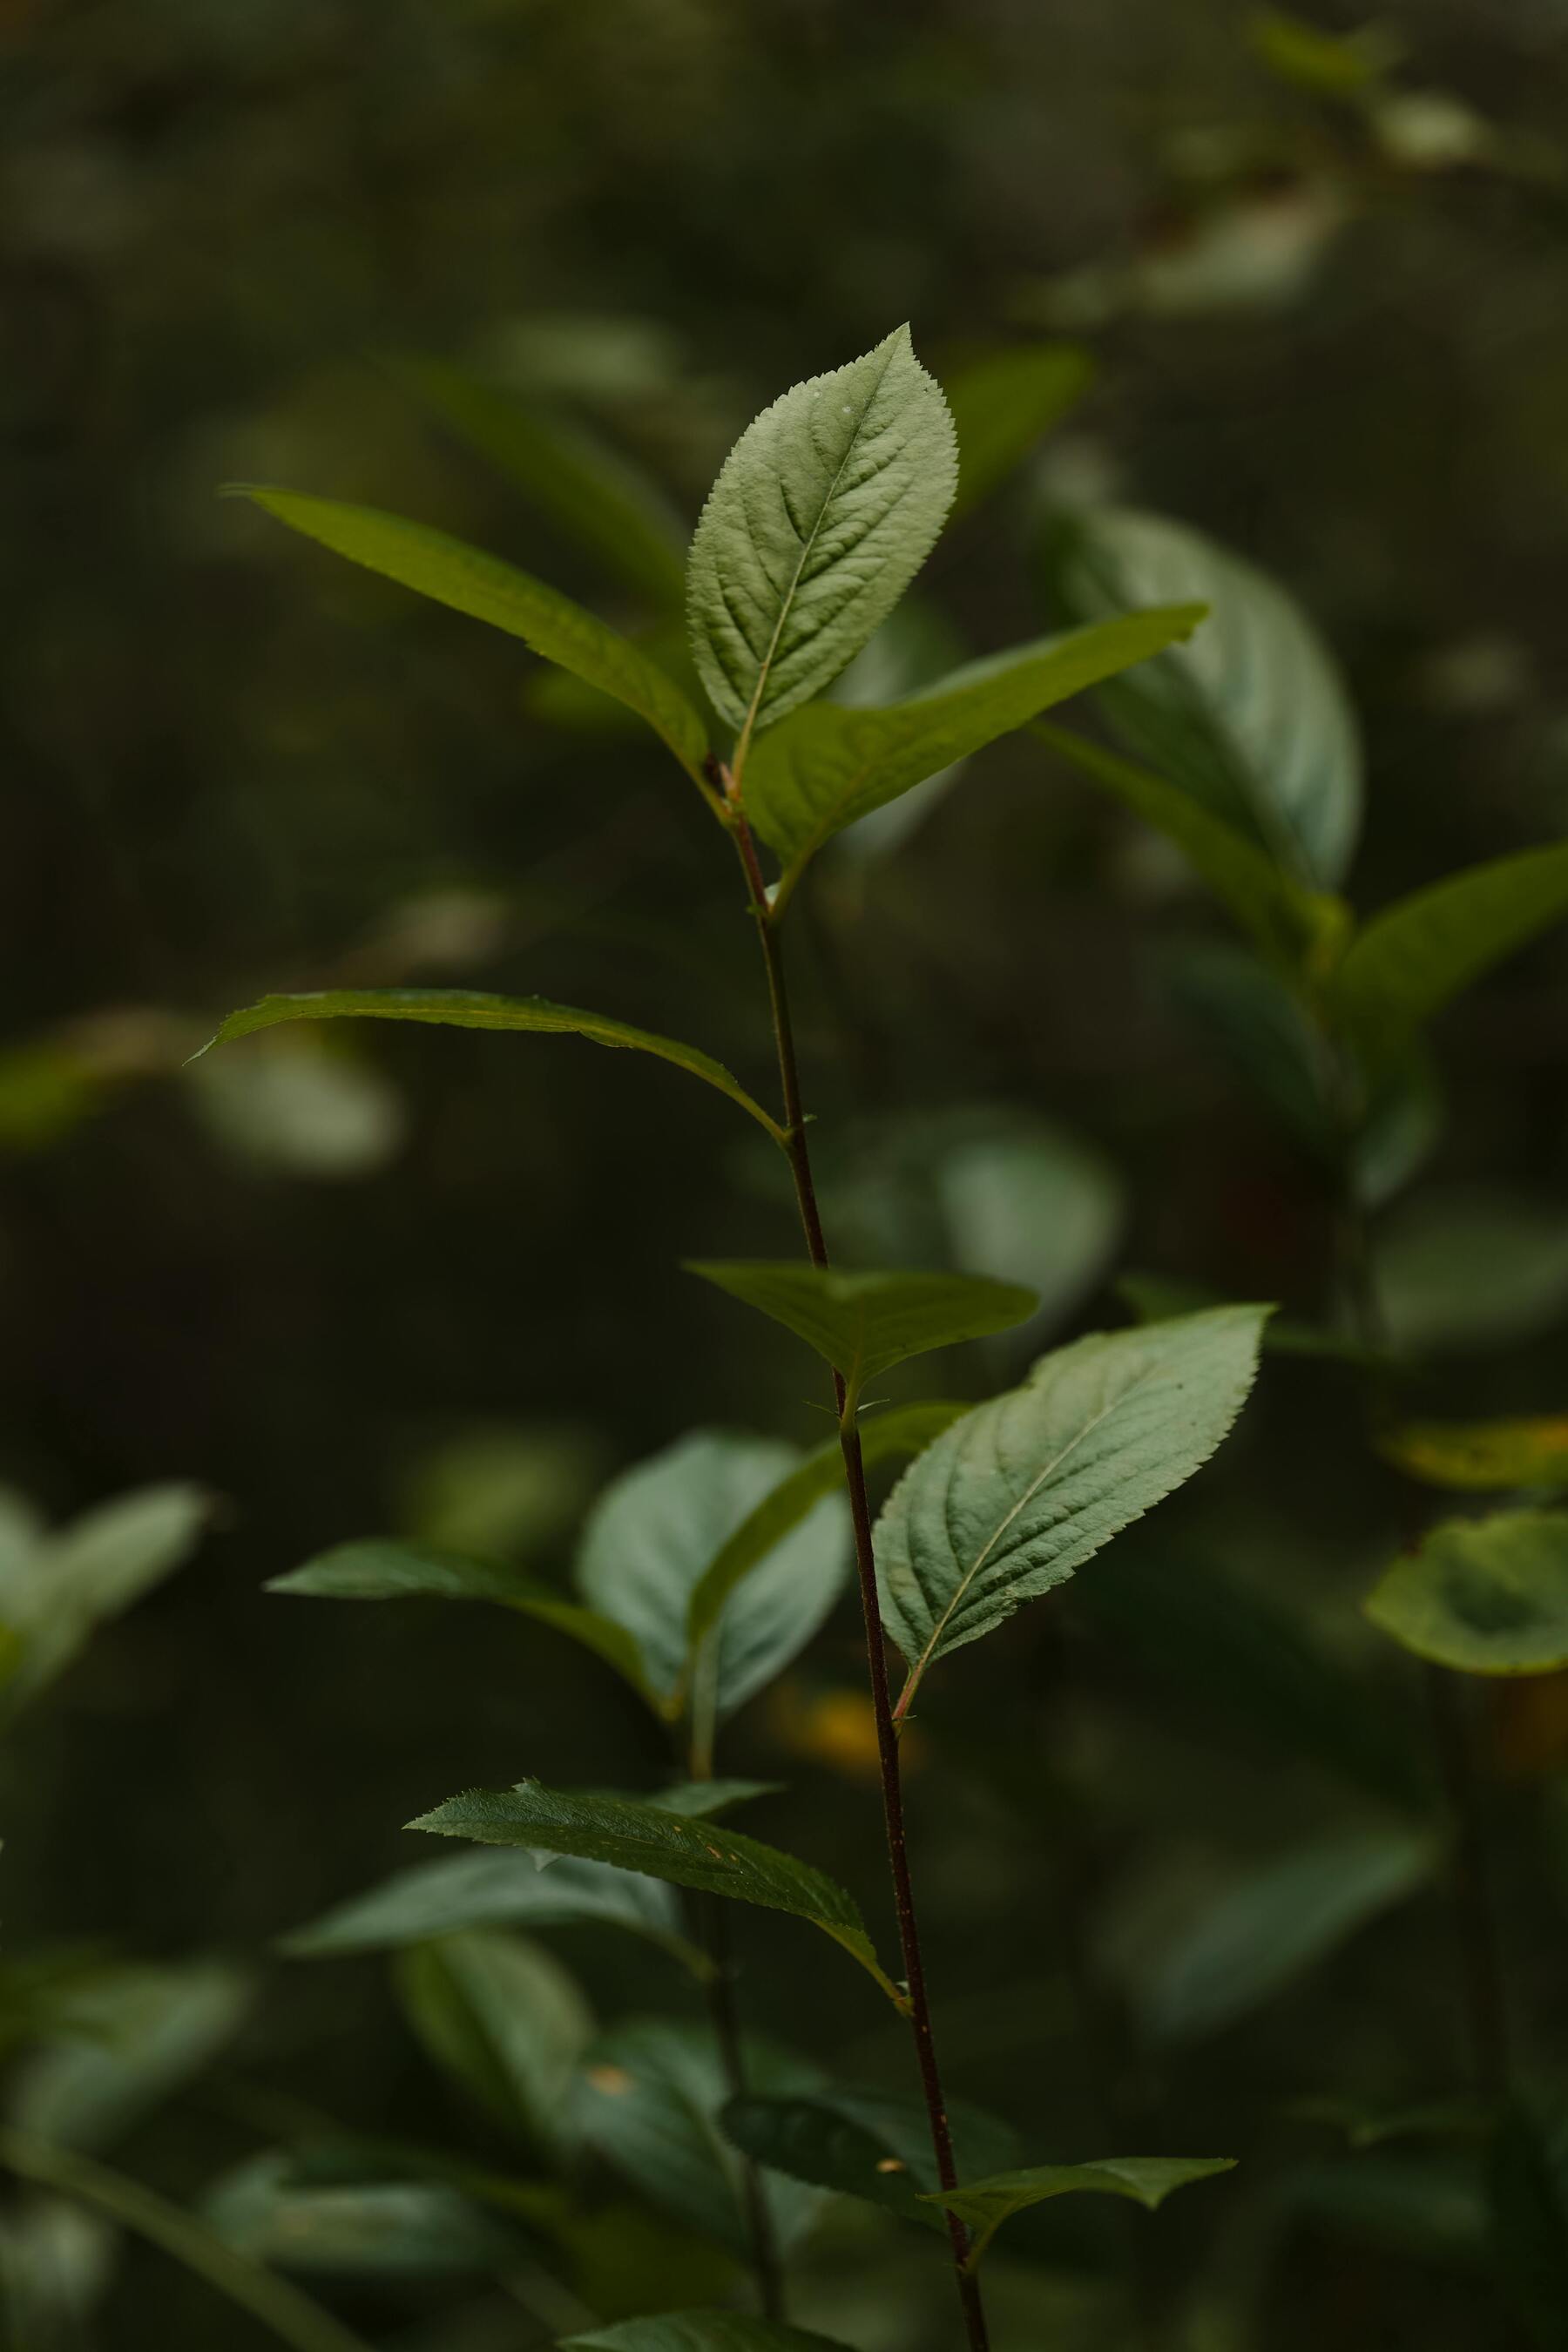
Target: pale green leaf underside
1484 1596
481 585
822 514
465 1891
1416 955
701 2331
904 1430
663 1844
461 1008
380 1569
1260 894
865 1323
1025 1489
832 762
1147 2181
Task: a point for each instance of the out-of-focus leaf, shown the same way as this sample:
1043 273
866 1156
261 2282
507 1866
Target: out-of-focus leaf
137 2035
1251 718
300 1110
1329 65
1526 2184
1153 1297
56 2263
505 1490
1428 2207
1235 1658
650 1839
462 1008
377 1569
1483 1596
647 2098
702 2331
1022 1490
866 1323
593 495
652 1536
1243 1946
503 2017
1412 959
1482 1456
471 582
830 765
373 2229
57 1590
1003 402
1147 2181
47 1088
493 1890
822 514
1470 1267
1280 915
865 2143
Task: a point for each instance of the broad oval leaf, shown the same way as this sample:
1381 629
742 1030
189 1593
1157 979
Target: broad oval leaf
1484 1596
465 1891
387 2230
651 1839
503 2018
1026 1487
866 1323
822 514
1480 1456
472 581
652 1536
865 2143
1003 402
832 763
1147 2181
702 2331
1409 960
462 1008
378 1568
1251 718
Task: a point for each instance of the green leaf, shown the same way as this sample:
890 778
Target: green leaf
1470 1266
1480 1455
384 2230
708 1801
1025 1489
461 1008
505 2019
493 1890
647 2099
701 2331
379 1570
1147 2181
904 1430
1251 718
1156 1298
1484 1596
1279 916
1411 960
831 763
865 2143
488 589
866 1323
135 2036
56 1589
1527 2183
822 514
1239 1946
1329 64
1002 403
592 493
654 1532
648 1838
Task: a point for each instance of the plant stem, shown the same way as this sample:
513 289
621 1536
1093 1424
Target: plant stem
1474 1920
798 1153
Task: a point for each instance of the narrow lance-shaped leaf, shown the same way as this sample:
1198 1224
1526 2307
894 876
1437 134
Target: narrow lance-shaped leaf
865 2143
831 763
821 515
663 1844
1412 958
589 490
1483 1596
866 1323
1281 917
1026 1487
501 2016
461 1008
1482 1456
702 2331
481 585
380 1569
1147 2181
1003 402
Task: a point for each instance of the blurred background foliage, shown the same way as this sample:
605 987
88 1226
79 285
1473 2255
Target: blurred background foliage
1301 289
